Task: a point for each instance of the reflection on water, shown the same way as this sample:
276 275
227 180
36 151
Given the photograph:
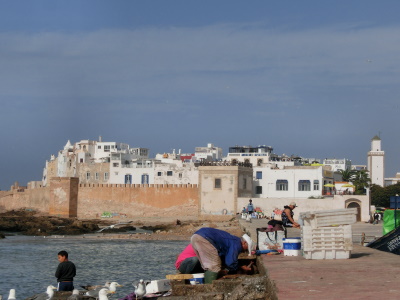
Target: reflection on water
28 264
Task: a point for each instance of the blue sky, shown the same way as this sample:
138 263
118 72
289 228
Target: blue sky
310 78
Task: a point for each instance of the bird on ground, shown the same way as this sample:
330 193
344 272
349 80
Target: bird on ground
114 225
45 296
103 294
11 295
99 286
140 289
74 296
95 292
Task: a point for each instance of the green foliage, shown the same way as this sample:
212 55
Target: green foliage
380 196
360 180
346 174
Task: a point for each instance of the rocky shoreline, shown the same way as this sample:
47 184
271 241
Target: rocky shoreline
30 223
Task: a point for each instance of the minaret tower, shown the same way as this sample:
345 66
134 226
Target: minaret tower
376 162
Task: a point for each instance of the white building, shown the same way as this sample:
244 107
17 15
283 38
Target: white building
209 153
292 182
376 162
337 164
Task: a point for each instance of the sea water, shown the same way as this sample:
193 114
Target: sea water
28 264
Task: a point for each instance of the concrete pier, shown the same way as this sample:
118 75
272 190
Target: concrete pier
368 274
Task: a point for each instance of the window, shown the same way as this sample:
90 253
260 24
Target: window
259 189
116 165
282 185
244 183
106 148
169 173
159 174
316 185
304 185
259 162
88 176
98 147
106 176
96 176
81 160
180 175
217 183
259 175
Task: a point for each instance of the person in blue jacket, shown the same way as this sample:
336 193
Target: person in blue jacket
214 247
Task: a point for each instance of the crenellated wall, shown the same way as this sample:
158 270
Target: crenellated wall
137 200
66 197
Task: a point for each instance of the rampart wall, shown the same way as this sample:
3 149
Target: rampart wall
137 200
105 200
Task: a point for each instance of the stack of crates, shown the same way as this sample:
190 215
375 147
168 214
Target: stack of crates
327 234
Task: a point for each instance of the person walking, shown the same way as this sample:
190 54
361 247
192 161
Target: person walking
65 273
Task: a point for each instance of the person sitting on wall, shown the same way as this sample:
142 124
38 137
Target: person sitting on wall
215 247
187 262
287 216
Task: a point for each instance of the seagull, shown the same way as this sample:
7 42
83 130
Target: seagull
93 287
95 292
103 293
47 295
113 226
11 296
74 296
140 289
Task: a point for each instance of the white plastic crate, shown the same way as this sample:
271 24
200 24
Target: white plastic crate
333 217
157 286
327 254
327 238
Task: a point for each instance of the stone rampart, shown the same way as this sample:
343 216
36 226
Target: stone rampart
136 200
64 197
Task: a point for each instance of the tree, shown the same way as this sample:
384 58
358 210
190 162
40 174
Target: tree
361 181
346 174
380 196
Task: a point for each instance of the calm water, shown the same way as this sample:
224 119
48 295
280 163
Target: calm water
28 264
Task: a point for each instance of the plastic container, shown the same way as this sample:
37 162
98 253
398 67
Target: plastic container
197 279
332 217
327 254
157 286
292 246
327 238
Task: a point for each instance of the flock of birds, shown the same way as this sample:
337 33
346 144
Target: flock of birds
99 292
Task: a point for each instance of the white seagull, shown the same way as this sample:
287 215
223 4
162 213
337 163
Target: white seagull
114 225
11 295
112 287
140 289
103 293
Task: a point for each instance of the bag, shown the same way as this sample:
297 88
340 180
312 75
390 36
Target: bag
270 240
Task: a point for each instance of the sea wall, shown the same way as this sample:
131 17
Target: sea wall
67 198
135 200
35 199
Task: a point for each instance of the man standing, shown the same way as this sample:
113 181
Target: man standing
211 245
65 272
250 207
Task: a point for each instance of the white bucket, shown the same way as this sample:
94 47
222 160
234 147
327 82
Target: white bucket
291 246
197 279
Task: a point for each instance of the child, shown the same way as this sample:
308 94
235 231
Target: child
65 272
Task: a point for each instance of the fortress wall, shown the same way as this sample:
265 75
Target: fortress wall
137 200
36 199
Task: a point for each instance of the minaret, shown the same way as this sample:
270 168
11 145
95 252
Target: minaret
376 162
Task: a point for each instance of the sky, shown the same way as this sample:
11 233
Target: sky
318 79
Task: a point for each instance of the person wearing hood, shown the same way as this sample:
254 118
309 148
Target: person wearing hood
287 216
215 247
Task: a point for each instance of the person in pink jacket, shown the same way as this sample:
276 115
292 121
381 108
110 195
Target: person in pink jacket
187 262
